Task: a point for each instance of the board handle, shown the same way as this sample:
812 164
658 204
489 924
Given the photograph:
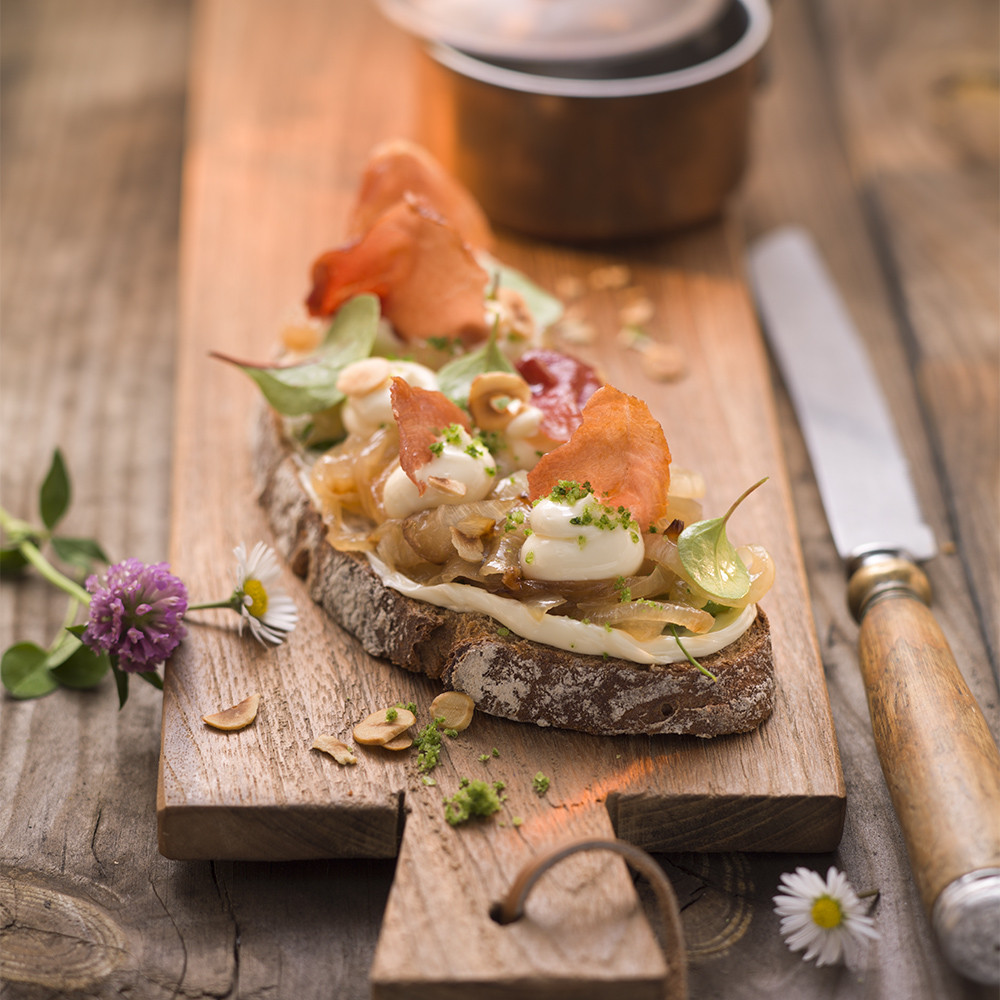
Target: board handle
511 907
939 759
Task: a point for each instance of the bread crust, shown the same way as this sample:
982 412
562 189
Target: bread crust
506 675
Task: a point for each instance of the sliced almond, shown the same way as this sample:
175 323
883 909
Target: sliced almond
638 312
663 362
337 749
237 717
401 742
377 730
455 707
614 276
470 549
453 487
362 377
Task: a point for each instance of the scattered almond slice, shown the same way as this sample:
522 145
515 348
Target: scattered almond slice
377 730
637 312
576 331
663 362
569 287
337 749
238 717
614 276
455 708
401 742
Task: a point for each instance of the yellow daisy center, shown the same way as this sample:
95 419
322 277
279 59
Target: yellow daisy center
254 589
826 913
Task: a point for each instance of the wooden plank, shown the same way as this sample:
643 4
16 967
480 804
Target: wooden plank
731 439
271 166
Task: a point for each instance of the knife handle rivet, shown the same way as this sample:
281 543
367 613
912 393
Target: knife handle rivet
881 576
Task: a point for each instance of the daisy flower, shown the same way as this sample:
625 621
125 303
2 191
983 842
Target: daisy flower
823 916
263 606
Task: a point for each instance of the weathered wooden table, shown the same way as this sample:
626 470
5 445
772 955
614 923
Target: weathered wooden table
875 127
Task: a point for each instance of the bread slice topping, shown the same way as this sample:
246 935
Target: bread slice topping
472 467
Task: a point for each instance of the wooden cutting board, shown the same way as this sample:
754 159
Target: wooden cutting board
287 99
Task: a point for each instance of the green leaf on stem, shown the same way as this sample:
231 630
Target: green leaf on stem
711 560
11 561
25 672
151 677
82 668
311 386
55 493
79 552
121 682
456 378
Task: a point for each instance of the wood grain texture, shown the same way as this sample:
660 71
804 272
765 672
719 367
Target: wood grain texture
93 114
939 758
298 804
733 442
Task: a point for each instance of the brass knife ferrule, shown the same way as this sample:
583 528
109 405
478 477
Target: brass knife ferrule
884 574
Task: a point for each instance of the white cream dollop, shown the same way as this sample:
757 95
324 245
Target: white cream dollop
572 541
366 384
463 471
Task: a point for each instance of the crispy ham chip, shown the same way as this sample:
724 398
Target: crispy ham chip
398 167
560 386
418 265
422 415
620 449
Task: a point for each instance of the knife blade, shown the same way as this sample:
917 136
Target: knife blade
939 759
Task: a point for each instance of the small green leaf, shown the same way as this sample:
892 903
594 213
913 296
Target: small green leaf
24 671
456 377
311 386
121 682
82 668
11 561
55 493
151 677
80 552
711 560
545 308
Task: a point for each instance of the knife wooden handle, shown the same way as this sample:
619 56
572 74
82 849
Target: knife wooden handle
938 756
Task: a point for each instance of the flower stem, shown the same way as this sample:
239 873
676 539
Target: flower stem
229 603
63 582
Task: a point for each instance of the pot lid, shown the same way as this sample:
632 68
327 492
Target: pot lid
553 30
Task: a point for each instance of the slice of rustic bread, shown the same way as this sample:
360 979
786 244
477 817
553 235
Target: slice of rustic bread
506 675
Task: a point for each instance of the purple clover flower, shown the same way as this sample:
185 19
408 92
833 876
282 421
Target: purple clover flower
136 614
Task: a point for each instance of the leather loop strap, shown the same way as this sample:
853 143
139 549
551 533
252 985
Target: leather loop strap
511 907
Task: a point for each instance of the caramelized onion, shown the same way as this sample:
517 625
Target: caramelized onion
429 531
645 619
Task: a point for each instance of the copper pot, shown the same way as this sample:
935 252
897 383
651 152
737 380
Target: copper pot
603 149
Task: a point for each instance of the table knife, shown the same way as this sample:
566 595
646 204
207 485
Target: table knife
938 756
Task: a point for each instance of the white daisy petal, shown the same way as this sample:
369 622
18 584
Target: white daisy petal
822 917
275 616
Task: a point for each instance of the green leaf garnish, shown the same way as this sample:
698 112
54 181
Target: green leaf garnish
311 386
25 672
456 378
711 560
55 492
